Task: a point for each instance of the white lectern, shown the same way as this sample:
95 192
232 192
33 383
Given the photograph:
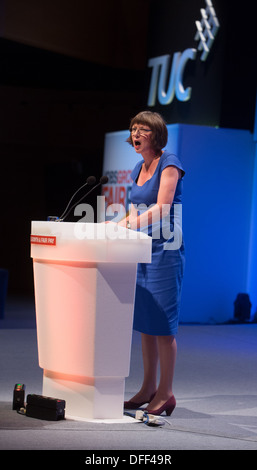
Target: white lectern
84 277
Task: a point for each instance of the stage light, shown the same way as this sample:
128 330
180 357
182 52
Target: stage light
242 308
18 396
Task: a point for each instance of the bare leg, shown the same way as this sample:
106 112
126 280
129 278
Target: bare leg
167 350
150 362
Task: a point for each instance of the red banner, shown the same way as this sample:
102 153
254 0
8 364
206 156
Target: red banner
42 240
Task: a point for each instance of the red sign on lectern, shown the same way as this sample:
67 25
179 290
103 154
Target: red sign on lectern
42 240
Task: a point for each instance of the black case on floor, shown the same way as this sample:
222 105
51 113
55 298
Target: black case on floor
51 409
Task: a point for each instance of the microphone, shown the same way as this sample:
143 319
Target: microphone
103 180
90 181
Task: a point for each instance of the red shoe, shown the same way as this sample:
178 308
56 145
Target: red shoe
132 405
169 406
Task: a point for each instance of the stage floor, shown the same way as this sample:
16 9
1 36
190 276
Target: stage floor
215 387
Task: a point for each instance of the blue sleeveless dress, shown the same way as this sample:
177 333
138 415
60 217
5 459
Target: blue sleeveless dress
158 286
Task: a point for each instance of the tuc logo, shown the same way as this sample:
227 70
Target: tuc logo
207 29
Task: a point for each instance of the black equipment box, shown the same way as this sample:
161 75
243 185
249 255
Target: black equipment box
51 409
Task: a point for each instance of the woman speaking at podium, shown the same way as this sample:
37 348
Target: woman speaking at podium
157 190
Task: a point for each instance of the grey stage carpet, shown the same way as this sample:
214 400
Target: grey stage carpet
215 387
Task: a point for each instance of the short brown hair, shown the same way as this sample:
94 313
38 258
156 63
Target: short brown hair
155 121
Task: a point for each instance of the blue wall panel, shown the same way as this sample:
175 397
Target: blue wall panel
252 271
218 186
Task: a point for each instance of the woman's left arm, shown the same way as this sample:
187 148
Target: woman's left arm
168 183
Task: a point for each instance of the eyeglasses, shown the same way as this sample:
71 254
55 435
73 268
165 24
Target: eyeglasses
141 131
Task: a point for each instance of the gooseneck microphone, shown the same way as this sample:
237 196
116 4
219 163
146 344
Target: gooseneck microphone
103 180
90 181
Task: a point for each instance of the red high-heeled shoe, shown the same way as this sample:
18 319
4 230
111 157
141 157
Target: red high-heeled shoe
169 406
132 405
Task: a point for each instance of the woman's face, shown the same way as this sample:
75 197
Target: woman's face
141 137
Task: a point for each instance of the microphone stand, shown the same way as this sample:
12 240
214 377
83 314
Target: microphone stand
103 180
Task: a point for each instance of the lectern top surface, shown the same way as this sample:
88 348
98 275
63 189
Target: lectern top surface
88 242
